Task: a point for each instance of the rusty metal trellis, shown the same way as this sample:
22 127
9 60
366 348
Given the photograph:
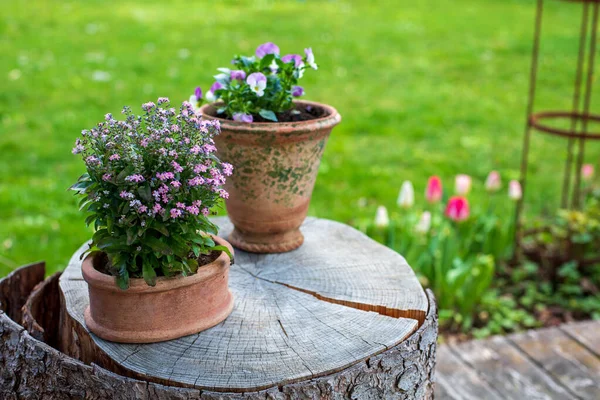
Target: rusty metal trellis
579 116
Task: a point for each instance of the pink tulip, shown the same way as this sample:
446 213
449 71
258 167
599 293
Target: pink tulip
587 171
493 183
515 192
457 209
433 193
462 185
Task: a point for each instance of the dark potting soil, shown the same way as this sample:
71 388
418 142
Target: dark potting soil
300 112
101 262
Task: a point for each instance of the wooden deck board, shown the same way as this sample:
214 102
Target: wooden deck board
555 363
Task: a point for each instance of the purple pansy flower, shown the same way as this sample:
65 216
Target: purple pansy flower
257 82
310 58
237 74
241 117
210 96
297 91
295 57
266 48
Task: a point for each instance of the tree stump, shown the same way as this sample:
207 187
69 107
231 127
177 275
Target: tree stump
340 318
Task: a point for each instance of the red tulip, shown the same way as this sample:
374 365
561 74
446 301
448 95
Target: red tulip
433 194
457 209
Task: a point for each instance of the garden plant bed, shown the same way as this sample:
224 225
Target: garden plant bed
304 326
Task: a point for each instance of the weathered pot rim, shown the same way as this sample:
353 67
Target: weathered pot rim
106 282
330 120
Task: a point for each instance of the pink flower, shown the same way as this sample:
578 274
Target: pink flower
493 183
457 209
135 178
196 149
114 157
177 167
227 169
193 210
157 209
462 184
175 213
175 184
142 209
205 211
196 181
106 177
223 193
433 193
163 176
200 168
180 205
515 192
587 172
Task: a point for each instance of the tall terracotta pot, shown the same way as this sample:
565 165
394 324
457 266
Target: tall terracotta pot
175 307
275 168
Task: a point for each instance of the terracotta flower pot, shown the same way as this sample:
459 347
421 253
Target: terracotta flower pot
175 307
275 168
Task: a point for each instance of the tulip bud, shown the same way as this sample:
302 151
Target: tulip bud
493 183
462 185
457 209
406 197
433 193
515 192
587 172
424 223
381 218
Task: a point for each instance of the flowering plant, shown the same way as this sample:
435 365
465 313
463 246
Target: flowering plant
150 184
453 247
262 85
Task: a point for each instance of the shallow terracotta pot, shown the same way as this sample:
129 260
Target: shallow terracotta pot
175 307
275 168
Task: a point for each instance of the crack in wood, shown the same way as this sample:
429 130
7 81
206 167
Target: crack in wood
382 310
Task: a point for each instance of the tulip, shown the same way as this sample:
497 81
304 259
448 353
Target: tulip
457 209
515 192
493 183
433 193
406 197
424 223
462 184
381 218
587 172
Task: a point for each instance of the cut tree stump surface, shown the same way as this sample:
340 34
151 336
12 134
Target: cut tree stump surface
337 301
546 364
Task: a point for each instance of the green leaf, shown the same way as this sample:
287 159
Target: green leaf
145 193
224 249
266 61
158 246
267 114
149 273
161 229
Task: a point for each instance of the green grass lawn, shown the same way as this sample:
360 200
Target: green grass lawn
424 87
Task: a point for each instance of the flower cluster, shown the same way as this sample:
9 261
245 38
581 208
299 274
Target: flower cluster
261 85
453 247
151 182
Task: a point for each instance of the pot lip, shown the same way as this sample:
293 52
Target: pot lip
332 118
97 279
